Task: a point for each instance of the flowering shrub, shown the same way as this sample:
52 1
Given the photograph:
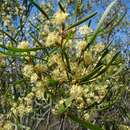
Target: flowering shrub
62 74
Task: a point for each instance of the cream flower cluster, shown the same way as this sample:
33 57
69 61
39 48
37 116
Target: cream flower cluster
88 58
60 17
57 70
95 92
124 127
80 46
76 91
86 95
98 47
2 60
34 73
6 125
58 74
52 39
27 70
39 90
23 45
24 105
77 73
85 30
21 109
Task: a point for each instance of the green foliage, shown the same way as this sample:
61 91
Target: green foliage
85 124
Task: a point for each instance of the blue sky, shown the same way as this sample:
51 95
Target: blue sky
100 10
